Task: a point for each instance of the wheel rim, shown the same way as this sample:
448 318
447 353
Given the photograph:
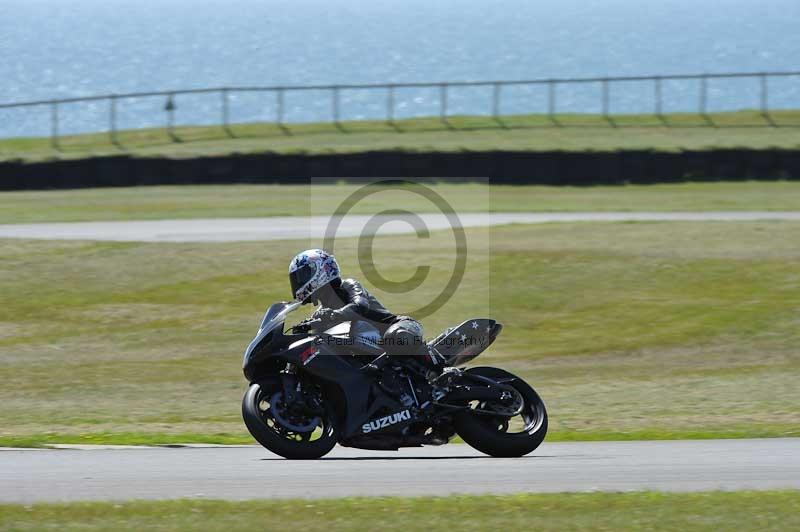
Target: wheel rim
290 425
528 421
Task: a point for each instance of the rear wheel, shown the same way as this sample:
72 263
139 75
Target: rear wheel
283 428
504 435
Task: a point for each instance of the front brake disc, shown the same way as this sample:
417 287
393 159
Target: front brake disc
278 412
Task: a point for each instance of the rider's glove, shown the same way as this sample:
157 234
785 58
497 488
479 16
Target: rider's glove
306 325
324 315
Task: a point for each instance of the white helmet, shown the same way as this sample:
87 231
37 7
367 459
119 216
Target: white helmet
311 270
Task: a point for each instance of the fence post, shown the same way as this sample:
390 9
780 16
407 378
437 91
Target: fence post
390 104
169 107
112 119
225 109
279 106
607 102
765 100
54 124
496 100
703 94
704 101
658 103
335 104
443 102
551 99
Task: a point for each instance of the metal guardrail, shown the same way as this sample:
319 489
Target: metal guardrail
279 91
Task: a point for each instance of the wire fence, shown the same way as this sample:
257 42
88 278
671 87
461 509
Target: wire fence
604 85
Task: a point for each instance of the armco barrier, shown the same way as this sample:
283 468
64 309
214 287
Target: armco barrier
547 168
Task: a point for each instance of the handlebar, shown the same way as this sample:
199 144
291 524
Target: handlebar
306 325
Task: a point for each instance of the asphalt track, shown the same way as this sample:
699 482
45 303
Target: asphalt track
314 227
250 472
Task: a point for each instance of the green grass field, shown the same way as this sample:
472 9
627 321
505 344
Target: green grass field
757 511
141 203
628 330
577 132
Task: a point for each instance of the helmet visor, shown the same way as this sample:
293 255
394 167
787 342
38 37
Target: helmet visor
300 277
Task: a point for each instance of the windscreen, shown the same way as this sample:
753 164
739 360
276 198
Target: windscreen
277 313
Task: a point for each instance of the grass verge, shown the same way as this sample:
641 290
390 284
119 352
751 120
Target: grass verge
747 510
638 330
578 132
170 202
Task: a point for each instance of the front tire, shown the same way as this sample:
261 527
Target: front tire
264 426
490 434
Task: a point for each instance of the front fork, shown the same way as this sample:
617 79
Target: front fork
290 384
295 393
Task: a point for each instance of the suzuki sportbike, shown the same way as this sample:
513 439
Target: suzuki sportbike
311 389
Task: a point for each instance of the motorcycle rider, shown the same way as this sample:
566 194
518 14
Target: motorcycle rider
315 277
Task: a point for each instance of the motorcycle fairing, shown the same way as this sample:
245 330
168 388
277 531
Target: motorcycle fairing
459 345
273 319
360 336
317 356
363 399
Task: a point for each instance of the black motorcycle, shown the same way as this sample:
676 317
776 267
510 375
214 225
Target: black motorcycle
311 389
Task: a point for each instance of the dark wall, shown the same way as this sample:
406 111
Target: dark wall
550 168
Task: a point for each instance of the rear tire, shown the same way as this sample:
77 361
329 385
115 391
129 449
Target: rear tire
269 437
482 432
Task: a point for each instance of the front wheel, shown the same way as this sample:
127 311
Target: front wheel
504 436
282 428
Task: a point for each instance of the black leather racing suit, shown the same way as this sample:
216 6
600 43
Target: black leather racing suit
348 300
